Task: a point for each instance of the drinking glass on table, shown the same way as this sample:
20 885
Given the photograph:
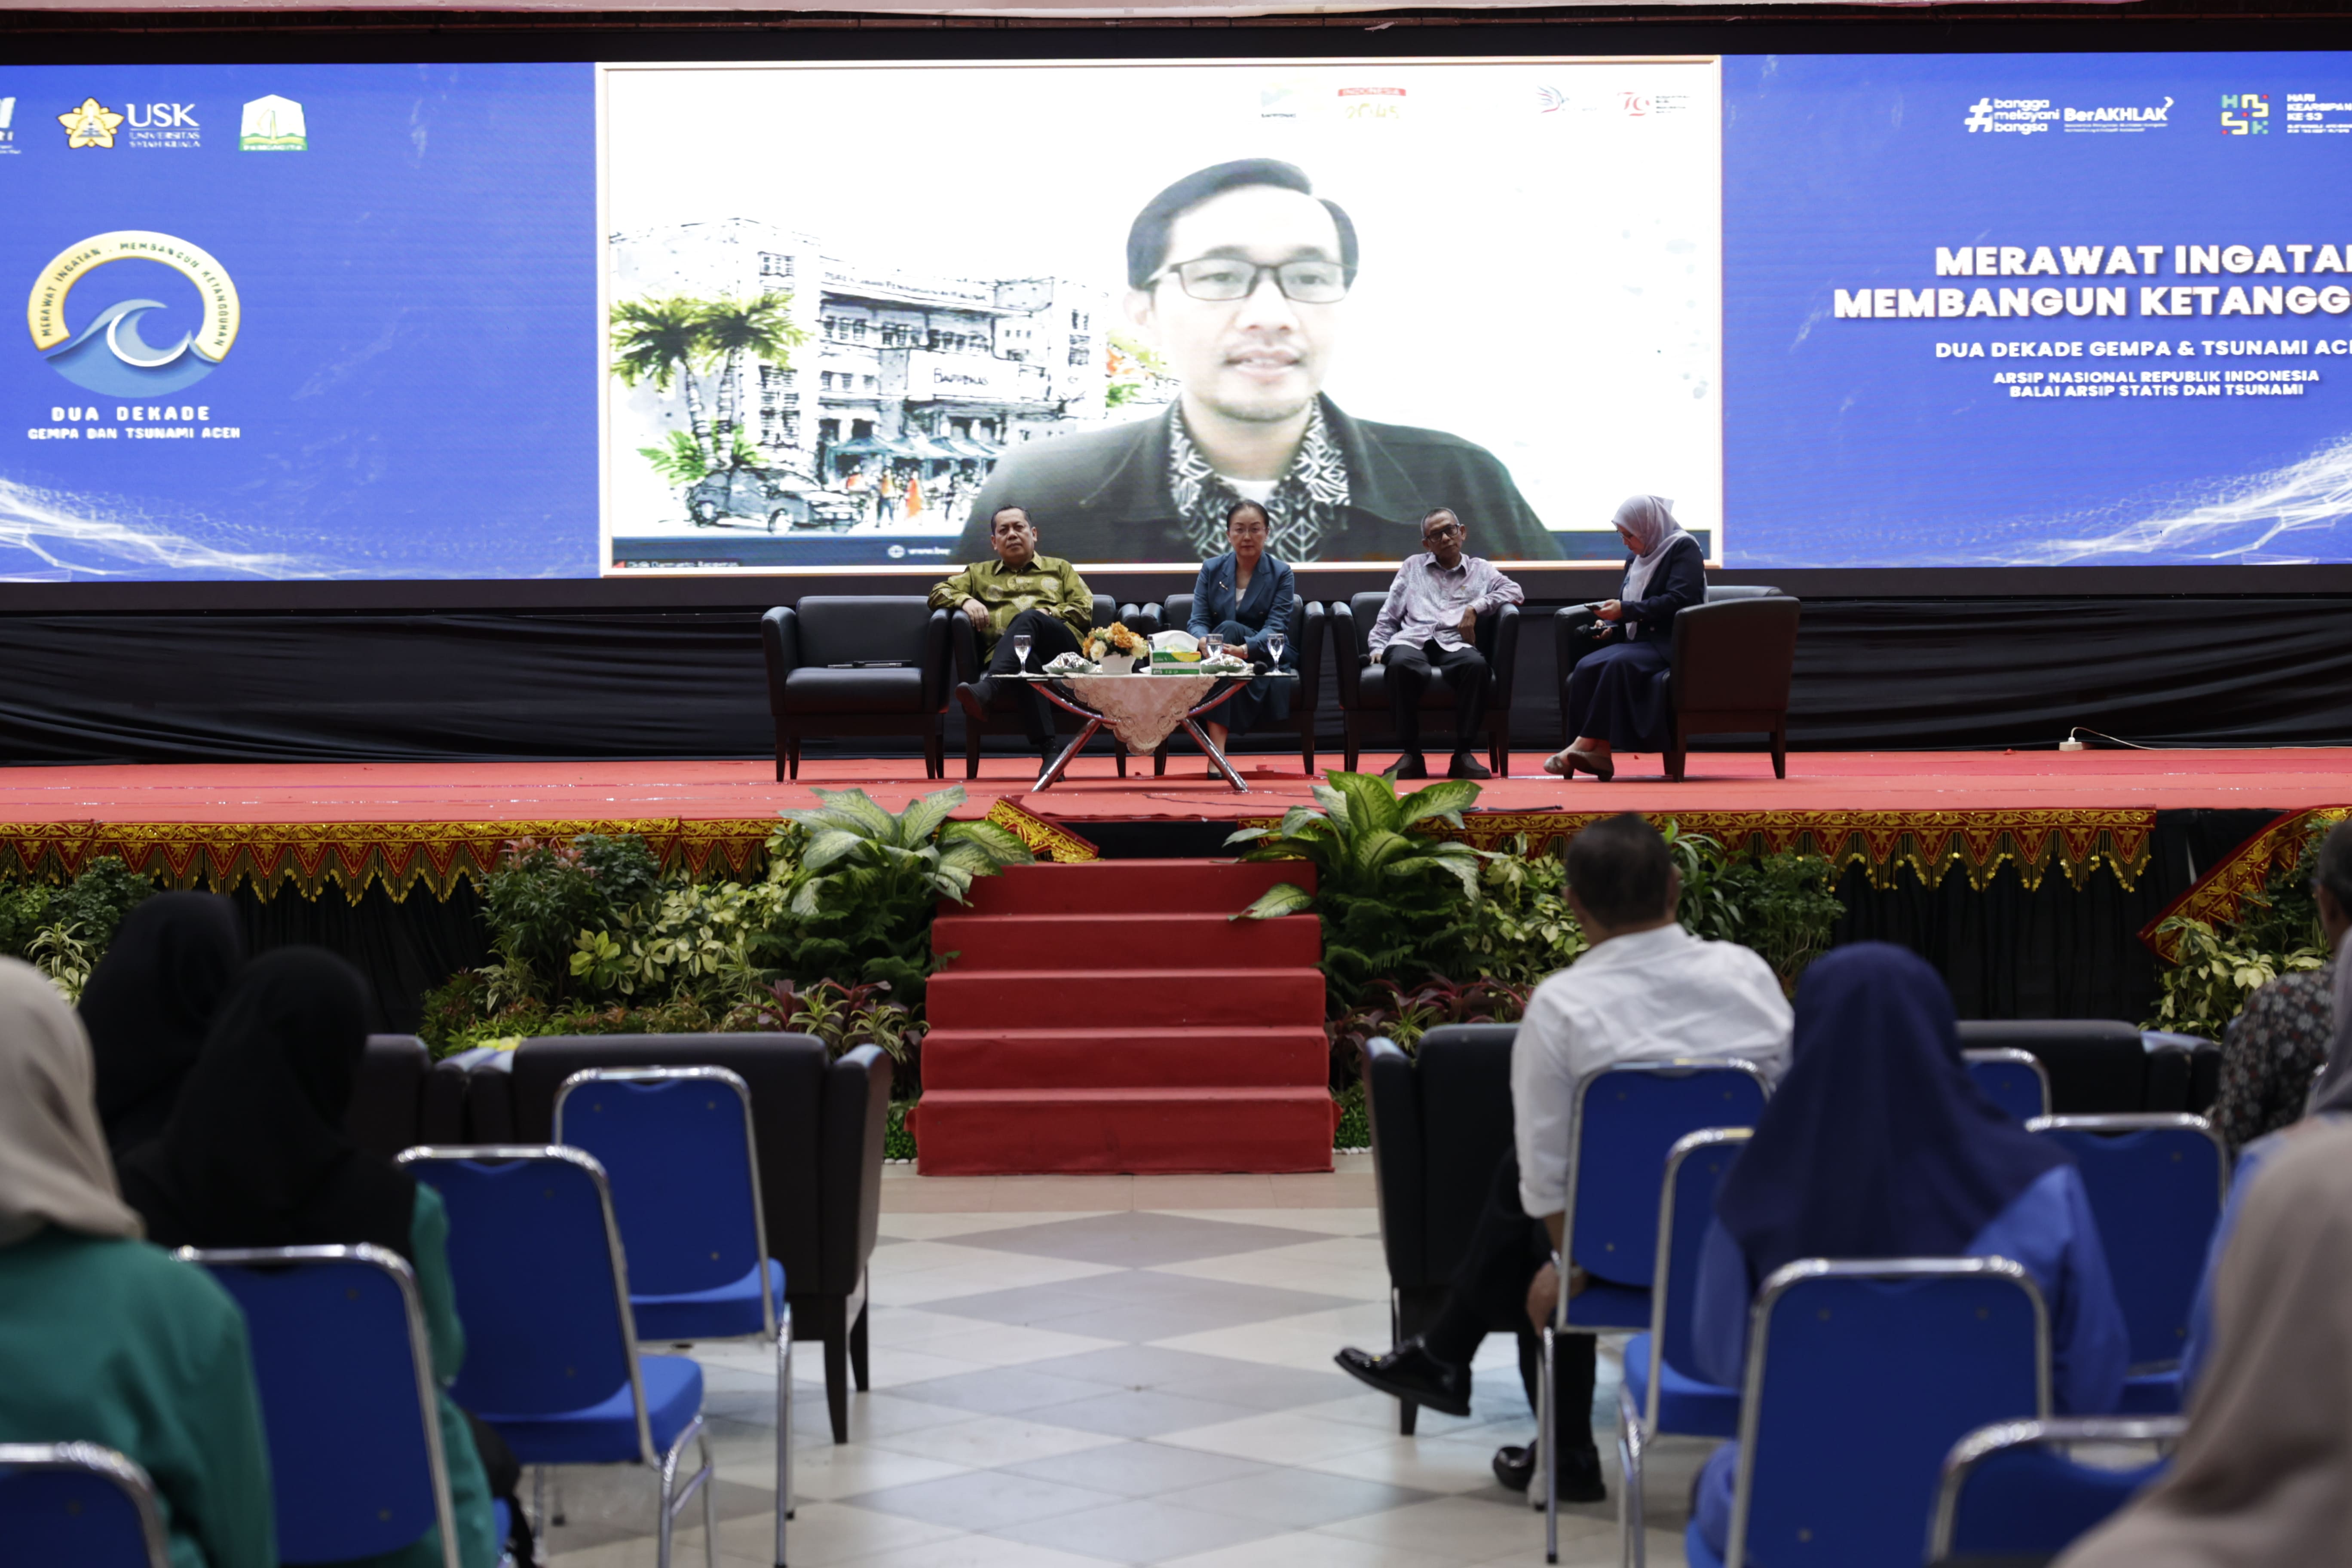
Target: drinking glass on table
1210 647
1274 643
1020 649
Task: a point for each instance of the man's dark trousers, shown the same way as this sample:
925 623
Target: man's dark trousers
1408 667
1489 1289
1048 635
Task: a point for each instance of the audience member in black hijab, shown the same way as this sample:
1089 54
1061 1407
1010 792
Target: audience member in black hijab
253 1155
254 1152
148 1003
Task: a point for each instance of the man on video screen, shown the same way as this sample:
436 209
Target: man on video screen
1239 277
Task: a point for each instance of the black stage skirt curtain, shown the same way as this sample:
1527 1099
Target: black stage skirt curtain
1870 673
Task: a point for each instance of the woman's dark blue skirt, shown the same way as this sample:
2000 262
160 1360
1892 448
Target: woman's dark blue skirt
1618 694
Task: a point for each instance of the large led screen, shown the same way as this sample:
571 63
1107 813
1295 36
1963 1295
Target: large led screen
504 321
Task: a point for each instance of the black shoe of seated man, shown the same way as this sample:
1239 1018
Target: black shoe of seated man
1467 766
1409 766
1410 1371
1579 1476
976 695
1515 1467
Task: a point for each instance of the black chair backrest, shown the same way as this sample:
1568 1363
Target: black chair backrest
836 628
1465 1127
1736 656
388 1099
1719 592
1176 615
2097 1065
1106 610
812 1161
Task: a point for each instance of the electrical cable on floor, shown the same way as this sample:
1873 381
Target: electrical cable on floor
2071 743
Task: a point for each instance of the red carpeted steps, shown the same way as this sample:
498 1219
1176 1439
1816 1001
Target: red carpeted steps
1110 1015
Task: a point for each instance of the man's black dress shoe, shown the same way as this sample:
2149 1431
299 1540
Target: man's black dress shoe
975 696
1409 1372
1409 766
1467 766
1515 1467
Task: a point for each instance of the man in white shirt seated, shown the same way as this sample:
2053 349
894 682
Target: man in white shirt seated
1646 991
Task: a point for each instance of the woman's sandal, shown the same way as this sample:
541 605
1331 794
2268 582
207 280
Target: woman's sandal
1600 766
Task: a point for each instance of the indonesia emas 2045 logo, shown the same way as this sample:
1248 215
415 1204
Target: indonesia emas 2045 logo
107 355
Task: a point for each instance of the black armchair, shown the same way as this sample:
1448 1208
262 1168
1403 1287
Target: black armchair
1363 689
1003 718
387 1109
856 665
1731 663
1306 628
1441 1124
820 1127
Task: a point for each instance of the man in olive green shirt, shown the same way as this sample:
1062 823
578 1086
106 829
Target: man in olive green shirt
1019 593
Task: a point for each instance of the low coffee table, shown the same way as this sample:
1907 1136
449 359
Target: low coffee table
1142 710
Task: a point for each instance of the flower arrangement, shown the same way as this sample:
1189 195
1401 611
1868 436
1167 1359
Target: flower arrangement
1115 638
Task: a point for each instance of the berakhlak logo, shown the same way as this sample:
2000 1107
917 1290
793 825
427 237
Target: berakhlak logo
273 124
2246 113
107 355
1979 116
91 125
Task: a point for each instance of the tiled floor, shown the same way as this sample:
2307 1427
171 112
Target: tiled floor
1081 1371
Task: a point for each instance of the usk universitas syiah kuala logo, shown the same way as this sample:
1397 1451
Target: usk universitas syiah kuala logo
107 355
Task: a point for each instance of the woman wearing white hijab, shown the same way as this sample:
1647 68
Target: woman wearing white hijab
103 1338
1617 696
2264 1474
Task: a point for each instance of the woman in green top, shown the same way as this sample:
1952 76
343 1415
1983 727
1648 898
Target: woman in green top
253 1155
103 1338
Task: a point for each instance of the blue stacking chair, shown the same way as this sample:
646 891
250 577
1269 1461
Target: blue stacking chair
1660 1395
344 1368
1861 1376
78 1503
677 1145
1623 1123
2013 1080
2011 1490
552 1358
2156 1185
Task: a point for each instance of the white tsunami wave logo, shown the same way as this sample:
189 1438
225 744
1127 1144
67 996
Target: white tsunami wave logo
45 537
2256 519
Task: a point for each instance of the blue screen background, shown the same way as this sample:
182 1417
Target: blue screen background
414 376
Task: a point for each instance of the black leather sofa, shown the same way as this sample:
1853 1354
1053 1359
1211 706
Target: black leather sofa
1440 1122
1003 718
1733 660
1364 693
820 1127
856 664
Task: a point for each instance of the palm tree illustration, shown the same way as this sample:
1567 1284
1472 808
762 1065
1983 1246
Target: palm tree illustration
733 329
659 339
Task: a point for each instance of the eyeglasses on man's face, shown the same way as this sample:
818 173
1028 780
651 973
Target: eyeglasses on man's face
1441 531
1222 279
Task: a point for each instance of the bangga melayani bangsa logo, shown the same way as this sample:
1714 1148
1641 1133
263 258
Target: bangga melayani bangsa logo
108 354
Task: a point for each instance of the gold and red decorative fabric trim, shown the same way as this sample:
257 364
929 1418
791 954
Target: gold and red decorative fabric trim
315 856
2217 896
1047 840
2074 841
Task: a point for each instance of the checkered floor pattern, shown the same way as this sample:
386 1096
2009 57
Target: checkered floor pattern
1084 1371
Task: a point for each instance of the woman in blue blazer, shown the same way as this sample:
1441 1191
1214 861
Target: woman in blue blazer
1246 597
